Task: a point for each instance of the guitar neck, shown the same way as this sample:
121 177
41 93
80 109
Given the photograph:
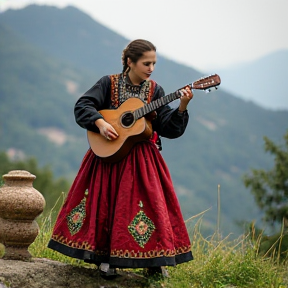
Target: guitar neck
153 105
205 84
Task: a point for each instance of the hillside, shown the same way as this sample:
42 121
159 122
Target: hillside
37 95
73 36
47 66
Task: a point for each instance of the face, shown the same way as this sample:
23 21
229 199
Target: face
143 68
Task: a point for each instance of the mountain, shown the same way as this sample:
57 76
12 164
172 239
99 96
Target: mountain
50 56
71 35
261 81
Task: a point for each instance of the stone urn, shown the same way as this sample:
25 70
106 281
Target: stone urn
20 204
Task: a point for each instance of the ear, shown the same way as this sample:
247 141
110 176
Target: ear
129 61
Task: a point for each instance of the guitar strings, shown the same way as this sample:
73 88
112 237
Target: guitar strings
142 111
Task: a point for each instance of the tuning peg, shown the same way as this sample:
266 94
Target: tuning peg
211 89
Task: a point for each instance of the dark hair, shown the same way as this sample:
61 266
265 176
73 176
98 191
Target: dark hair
135 50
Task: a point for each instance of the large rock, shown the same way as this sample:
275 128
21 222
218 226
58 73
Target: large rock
45 273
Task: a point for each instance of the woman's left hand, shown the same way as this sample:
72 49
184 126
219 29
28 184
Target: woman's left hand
185 98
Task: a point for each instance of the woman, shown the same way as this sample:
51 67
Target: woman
126 214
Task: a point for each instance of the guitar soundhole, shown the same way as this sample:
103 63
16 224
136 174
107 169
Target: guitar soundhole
127 119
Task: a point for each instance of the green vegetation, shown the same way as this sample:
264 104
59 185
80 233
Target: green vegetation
227 264
217 263
270 188
44 70
243 262
46 67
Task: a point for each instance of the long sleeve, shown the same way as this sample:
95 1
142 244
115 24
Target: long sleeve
169 122
95 99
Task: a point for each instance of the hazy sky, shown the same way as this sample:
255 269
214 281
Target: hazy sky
205 34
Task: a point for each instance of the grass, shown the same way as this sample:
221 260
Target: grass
227 264
39 247
218 263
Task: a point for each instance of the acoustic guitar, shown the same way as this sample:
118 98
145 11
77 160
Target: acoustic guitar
131 121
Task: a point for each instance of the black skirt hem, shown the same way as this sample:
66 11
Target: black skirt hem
116 262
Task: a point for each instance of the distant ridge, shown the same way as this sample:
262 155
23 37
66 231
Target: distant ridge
262 81
57 24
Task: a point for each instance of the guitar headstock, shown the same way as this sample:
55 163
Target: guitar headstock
206 83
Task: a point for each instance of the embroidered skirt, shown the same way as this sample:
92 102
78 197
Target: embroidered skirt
125 214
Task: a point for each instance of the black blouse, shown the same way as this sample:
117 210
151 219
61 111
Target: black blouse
169 123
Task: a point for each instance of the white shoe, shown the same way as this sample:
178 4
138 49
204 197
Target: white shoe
106 272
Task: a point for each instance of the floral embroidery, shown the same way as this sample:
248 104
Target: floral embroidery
121 90
150 254
123 253
141 227
77 216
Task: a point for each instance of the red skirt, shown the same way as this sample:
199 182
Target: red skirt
125 214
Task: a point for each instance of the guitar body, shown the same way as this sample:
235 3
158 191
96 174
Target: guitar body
130 132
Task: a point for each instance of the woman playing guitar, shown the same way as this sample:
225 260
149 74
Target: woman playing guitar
125 213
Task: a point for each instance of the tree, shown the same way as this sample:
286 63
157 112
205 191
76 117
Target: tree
270 188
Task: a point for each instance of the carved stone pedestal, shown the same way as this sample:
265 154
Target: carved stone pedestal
20 204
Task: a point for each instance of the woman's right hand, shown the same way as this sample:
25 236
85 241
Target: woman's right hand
106 129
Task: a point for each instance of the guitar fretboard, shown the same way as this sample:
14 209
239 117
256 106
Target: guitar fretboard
153 105
202 84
